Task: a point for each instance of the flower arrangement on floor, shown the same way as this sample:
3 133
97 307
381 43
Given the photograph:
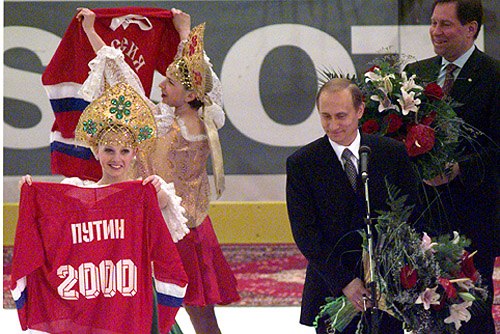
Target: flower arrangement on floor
417 113
429 285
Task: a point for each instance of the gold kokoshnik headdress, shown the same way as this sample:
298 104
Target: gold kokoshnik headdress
118 116
190 67
194 72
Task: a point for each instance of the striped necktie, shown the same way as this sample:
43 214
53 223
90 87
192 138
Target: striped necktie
449 79
350 169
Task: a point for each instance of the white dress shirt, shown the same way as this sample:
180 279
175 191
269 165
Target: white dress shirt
354 148
459 62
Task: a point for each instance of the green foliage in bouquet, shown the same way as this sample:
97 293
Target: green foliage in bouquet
430 285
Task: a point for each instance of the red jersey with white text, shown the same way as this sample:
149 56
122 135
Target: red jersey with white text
84 259
148 40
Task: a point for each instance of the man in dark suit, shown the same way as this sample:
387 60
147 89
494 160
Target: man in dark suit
326 209
466 198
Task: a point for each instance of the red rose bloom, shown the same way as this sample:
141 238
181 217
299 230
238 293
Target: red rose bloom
433 91
370 126
468 268
427 120
372 69
408 277
419 140
394 123
448 287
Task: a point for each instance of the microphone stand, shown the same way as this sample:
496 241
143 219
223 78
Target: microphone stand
374 320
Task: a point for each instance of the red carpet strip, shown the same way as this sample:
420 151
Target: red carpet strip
267 274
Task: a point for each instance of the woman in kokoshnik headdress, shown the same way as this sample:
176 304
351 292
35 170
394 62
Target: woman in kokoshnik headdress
118 127
187 119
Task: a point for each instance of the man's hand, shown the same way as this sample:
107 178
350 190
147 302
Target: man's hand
357 294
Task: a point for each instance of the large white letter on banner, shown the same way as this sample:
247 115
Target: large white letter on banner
240 80
27 86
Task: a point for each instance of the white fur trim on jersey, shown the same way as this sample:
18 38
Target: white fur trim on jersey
173 213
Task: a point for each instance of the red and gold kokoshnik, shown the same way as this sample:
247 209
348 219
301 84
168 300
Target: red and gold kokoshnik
190 68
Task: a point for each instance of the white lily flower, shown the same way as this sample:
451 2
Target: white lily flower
428 297
458 313
456 237
409 84
466 285
387 83
384 103
372 76
408 102
384 83
427 244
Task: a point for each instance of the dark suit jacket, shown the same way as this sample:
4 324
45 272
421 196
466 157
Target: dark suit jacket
470 202
325 212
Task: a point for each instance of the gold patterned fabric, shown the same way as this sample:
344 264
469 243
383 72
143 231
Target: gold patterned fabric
194 73
182 162
119 116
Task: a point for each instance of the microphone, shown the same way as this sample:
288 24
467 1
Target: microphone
364 151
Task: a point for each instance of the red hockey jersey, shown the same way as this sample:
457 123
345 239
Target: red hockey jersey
84 258
148 40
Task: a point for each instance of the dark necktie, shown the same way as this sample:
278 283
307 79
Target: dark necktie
449 79
349 168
